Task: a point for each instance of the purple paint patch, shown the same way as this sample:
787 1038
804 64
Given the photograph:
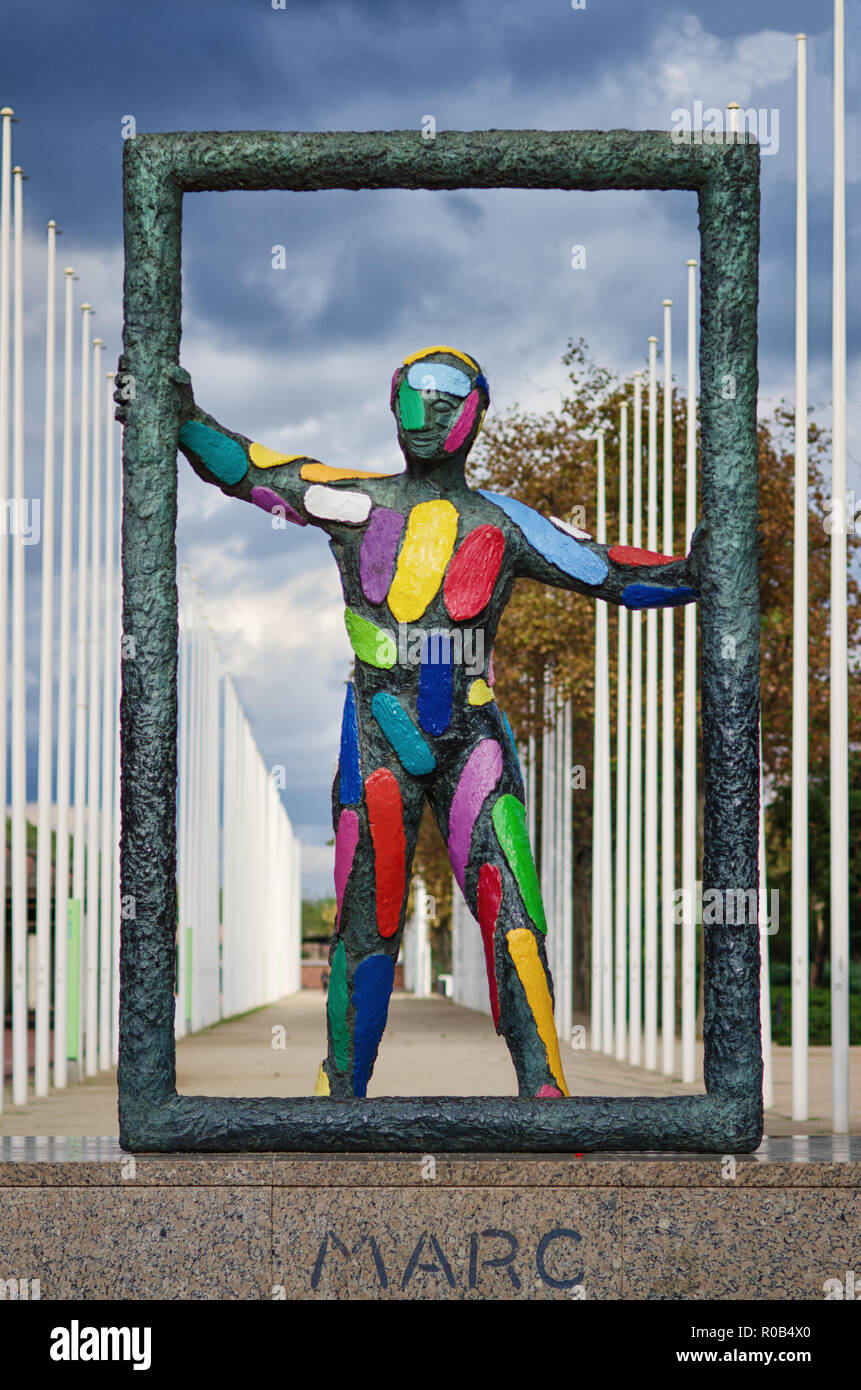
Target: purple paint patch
346 840
463 424
267 499
478 779
377 556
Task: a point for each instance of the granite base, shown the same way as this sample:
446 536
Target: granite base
80 1218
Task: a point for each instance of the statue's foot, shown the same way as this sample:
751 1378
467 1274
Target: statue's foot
548 1092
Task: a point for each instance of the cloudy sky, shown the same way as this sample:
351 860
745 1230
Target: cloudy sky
301 357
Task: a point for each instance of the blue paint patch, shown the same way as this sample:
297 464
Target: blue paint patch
554 545
510 732
402 734
438 376
653 596
349 765
435 684
372 988
219 453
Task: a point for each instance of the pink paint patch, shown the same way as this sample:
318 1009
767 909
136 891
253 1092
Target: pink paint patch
270 502
394 388
346 840
490 670
463 424
546 1092
478 779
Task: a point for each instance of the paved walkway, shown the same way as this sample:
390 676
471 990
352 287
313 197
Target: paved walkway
431 1047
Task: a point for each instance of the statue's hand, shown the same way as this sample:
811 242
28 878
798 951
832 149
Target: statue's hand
181 382
124 390
695 555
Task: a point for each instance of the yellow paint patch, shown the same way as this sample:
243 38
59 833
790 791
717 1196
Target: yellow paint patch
480 422
453 352
425 553
270 458
480 693
322 473
321 1085
523 949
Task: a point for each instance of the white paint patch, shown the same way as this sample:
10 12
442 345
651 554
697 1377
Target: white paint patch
329 504
571 530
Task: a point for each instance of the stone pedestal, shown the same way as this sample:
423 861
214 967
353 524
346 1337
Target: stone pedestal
79 1218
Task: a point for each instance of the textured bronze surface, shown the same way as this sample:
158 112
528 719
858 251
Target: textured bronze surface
158 169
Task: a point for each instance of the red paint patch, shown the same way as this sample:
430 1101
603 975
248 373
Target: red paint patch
546 1092
632 555
472 573
386 817
489 902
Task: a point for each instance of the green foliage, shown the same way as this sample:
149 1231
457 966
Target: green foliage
318 917
819 1016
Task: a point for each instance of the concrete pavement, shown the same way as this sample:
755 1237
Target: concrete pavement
431 1047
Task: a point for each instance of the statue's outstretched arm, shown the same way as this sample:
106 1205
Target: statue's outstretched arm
553 552
295 487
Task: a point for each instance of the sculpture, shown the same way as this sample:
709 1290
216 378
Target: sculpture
427 564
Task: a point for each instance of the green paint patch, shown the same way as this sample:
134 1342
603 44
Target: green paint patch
411 407
509 822
337 1007
371 644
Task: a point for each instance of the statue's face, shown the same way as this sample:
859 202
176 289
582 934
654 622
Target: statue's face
438 408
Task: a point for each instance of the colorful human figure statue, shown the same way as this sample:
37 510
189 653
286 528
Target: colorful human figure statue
427 564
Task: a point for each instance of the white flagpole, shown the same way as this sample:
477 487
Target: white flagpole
596 1022
549 818
184 773
19 682
622 764
80 787
839 707
46 696
93 736
689 734
650 816
668 741
565 984
800 887
5 307
602 701
116 902
763 924
635 838
558 918
108 724
64 682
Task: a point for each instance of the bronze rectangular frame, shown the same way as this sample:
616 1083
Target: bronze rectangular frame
158 169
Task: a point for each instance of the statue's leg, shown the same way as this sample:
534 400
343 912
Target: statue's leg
375 838
480 812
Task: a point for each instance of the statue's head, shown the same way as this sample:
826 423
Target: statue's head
439 397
